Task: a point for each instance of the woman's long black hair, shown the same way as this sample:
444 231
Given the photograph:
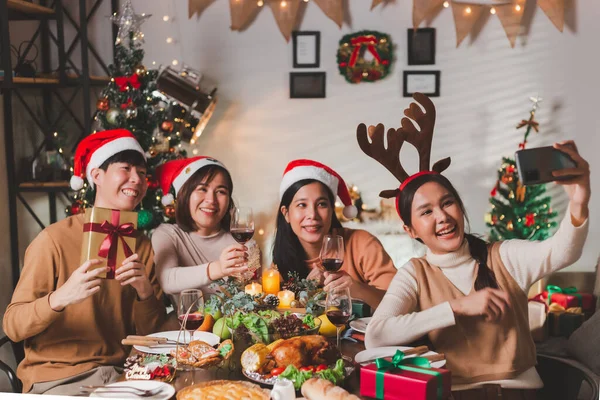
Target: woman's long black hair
477 246
288 253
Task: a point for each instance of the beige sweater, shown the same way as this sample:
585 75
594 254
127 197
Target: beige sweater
84 335
398 320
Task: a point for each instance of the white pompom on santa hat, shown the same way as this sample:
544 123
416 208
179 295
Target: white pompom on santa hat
176 173
98 147
298 170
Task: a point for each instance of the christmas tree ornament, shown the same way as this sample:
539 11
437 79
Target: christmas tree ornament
129 24
152 183
102 104
529 220
506 179
365 56
167 126
145 218
112 116
511 195
509 226
152 152
170 211
131 113
77 207
521 191
140 70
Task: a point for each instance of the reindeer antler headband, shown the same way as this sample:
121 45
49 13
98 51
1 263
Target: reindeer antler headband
421 140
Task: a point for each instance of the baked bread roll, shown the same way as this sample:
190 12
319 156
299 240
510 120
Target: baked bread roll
321 389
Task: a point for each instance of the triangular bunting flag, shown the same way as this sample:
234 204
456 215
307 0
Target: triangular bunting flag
465 16
197 7
242 12
285 13
422 8
376 3
555 10
334 9
510 16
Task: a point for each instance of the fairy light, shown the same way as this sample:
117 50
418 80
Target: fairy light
306 1
260 3
153 62
283 4
195 151
169 40
492 11
166 18
262 231
446 4
468 10
518 7
55 134
174 62
157 197
60 150
71 169
192 141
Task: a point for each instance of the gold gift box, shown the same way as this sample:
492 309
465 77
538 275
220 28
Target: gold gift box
103 227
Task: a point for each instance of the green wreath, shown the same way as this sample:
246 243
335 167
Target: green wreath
350 56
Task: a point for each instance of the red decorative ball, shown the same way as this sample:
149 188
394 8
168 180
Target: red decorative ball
167 126
385 62
102 104
510 169
529 220
170 211
77 208
152 183
343 64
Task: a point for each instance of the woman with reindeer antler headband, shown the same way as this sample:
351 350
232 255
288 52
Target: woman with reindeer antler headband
306 214
468 296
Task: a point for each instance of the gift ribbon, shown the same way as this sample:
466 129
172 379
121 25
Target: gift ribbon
557 308
414 364
370 41
571 290
123 81
114 232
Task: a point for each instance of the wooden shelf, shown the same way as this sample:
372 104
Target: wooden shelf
59 186
32 81
26 7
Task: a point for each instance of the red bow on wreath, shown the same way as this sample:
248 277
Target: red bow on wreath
123 81
370 41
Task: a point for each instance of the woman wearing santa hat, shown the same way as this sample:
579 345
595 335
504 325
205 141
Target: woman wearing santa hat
306 214
198 249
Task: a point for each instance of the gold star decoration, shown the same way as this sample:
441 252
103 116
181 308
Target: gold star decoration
129 23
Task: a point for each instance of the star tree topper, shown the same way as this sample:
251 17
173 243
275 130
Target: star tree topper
129 23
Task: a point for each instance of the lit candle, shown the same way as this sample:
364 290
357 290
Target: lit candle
285 298
253 289
270 281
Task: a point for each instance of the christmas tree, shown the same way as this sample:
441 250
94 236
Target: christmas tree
130 101
519 212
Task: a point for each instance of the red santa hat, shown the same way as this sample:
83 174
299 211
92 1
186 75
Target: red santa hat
176 172
98 147
298 170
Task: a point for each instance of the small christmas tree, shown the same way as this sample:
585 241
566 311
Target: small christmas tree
129 102
519 212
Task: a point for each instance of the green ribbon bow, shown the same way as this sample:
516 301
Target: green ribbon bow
408 364
572 290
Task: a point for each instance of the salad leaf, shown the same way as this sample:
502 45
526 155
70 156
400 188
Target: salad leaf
335 375
309 320
295 375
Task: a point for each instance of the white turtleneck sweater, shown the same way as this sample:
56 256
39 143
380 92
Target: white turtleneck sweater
398 321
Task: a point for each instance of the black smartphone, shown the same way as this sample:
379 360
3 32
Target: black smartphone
535 165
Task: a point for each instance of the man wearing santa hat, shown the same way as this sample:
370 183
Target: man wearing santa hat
71 321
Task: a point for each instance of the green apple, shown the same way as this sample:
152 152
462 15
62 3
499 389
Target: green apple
221 330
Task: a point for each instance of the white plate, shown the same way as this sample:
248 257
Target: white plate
167 391
207 337
378 352
360 324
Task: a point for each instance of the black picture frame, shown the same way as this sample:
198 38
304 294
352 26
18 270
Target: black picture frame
307 85
421 46
317 57
431 90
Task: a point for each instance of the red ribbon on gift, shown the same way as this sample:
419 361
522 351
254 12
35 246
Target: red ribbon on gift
114 232
370 41
123 81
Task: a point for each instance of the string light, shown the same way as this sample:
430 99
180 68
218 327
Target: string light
169 40
195 151
153 62
518 7
192 141
446 4
492 11
468 10
175 62
260 3
166 18
306 1
55 134
283 4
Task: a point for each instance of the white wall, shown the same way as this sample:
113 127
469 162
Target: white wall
485 88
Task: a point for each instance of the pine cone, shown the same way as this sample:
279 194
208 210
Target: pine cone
271 300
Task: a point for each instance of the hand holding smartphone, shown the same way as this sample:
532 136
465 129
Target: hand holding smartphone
535 166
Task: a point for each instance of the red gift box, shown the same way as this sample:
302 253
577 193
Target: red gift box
407 382
569 297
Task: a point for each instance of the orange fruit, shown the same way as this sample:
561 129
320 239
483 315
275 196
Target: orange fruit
208 323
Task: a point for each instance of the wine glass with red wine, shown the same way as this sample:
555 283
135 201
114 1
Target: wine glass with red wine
242 228
332 253
191 311
338 308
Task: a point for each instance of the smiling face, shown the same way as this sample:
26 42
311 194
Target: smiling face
209 203
122 186
310 214
437 218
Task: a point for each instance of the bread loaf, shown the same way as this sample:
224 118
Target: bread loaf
321 389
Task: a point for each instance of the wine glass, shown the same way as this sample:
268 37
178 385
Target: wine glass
338 308
242 228
332 253
190 311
